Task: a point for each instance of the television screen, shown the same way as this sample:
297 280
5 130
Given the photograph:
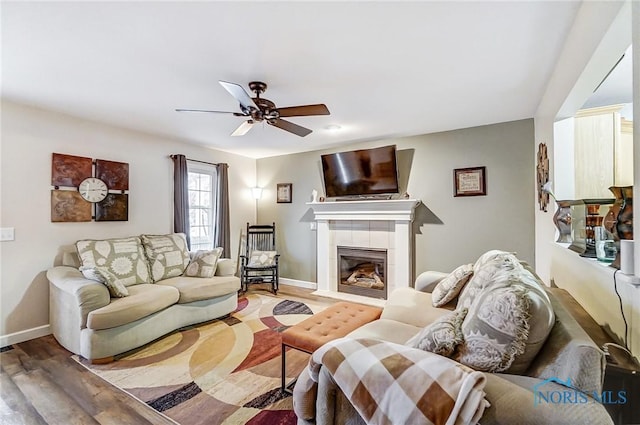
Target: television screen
361 172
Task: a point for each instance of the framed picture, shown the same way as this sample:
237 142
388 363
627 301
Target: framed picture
115 207
469 181
283 193
69 170
114 174
68 206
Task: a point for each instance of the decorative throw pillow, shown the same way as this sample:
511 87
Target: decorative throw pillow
168 255
442 336
262 258
489 256
495 329
449 287
123 257
111 281
203 263
486 275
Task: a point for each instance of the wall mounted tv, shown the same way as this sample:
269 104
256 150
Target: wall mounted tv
361 173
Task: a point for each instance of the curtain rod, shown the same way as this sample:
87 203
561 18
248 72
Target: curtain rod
196 160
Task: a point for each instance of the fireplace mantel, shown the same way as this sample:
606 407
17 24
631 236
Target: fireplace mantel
388 210
377 224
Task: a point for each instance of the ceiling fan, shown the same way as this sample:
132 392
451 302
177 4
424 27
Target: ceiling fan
259 109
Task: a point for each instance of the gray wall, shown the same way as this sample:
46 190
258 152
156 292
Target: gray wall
449 231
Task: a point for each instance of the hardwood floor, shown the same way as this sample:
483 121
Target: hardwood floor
41 384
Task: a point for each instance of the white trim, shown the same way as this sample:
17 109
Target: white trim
298 283
377 224
389 210
25 335
342 296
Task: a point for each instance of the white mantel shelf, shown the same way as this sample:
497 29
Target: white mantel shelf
386 210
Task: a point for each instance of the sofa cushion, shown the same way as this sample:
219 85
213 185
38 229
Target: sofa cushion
413 307
203 263
442 336
123 257
386 330
143 300
226 267
449 287
168 254
196 289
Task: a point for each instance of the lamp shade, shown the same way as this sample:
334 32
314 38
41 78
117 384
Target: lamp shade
257 192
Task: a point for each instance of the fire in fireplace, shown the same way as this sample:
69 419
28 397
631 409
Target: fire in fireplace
362 271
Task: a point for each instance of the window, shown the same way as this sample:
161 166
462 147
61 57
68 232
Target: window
202 185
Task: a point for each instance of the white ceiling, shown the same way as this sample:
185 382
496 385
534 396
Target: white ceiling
384 69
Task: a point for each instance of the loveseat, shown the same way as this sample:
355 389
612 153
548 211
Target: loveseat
108 297
554 378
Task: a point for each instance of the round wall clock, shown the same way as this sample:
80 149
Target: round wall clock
93 189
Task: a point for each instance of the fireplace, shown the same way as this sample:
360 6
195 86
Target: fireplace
385 224
362 271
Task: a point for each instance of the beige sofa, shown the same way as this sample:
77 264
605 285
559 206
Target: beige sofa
87 320
566 354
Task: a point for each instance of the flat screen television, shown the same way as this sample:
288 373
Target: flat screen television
361 172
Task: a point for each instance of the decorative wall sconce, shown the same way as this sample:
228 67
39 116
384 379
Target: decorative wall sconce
256 192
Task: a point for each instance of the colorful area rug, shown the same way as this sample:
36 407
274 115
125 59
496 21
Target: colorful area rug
222 372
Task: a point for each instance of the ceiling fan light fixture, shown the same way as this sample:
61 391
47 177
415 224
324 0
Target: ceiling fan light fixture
259 109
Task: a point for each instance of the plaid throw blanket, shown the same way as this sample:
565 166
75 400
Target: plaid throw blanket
394 384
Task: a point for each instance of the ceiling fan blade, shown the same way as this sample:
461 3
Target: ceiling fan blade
240 94
291 127
238 114
304 110
243 128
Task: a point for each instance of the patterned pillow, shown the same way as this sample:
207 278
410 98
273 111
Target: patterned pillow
442 336
111 281
123 257
486 275
489 256
262 258
449 287
496 328
168 255
203 263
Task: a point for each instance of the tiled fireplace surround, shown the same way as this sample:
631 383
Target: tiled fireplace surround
380 224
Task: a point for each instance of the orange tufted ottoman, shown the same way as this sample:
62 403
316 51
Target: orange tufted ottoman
332 323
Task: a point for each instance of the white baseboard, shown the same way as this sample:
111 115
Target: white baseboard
26 335
298 283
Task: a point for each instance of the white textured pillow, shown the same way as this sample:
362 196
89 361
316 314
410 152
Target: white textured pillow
490 256
441 336
262 258
449 287
203 263
485 276
496 328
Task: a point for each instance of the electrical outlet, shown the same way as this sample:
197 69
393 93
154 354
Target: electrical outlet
7 234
